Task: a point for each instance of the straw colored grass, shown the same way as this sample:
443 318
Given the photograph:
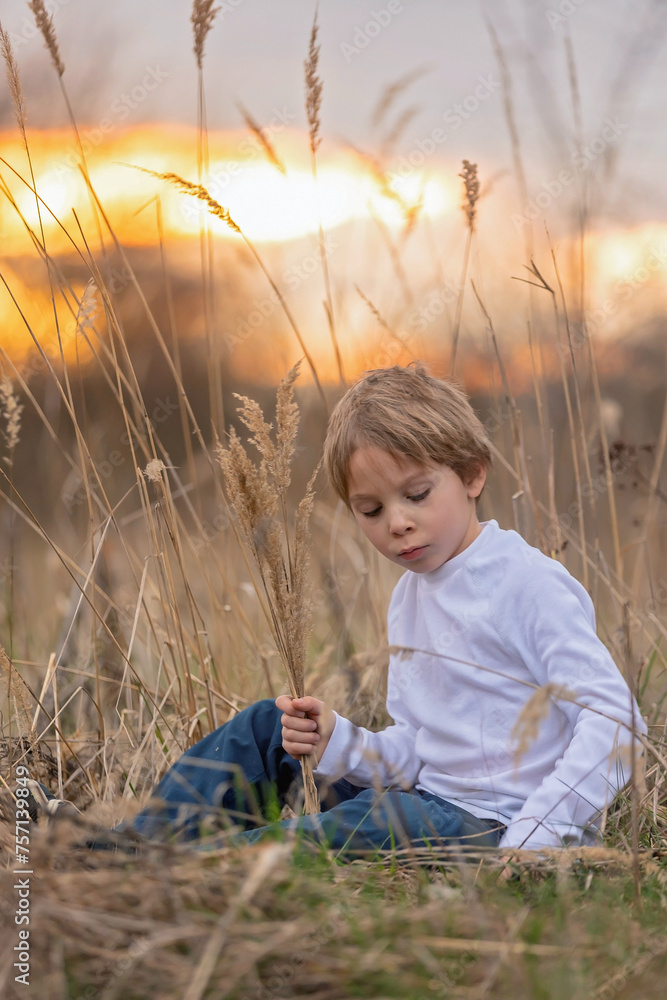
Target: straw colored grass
202 18
44 22
258 495
154 627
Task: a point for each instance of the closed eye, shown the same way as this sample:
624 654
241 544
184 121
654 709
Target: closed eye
371 513
420 496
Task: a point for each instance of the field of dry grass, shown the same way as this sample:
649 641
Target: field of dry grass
134 619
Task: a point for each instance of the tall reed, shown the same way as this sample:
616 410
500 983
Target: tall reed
280 558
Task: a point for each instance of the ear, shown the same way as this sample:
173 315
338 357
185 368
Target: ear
475 485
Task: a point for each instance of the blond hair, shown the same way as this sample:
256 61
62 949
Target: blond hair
408 413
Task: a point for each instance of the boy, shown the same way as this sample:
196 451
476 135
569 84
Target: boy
478 624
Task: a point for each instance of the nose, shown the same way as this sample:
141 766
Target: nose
400 522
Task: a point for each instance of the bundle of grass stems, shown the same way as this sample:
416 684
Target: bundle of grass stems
280 559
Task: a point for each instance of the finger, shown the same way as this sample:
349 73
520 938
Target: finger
286 705
297 751
307 704
296 748
295 736
290 711
302 725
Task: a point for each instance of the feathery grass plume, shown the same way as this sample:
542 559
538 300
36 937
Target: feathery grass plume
11 411
202 18
534 712
313 88
87 311
197 191
257 493
393 90
471 197
13 81
154 469
471 185
262 138
44 22
19 692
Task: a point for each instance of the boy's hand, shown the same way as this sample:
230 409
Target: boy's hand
307 725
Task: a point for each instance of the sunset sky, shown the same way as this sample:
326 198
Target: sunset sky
255 52
131 77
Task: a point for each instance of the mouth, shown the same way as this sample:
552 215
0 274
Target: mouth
412 553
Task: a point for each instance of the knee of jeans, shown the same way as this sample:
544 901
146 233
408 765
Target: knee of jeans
265 706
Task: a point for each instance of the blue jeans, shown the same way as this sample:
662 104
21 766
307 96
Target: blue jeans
238 775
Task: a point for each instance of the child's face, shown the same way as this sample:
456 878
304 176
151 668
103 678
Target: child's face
417 516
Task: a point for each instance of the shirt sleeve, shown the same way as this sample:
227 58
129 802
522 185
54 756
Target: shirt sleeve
386 758
367 759
557 641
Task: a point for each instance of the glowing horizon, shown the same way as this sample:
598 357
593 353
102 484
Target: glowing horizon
276 208
268 205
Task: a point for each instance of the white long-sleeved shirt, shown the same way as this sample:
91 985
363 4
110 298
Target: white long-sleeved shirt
504 620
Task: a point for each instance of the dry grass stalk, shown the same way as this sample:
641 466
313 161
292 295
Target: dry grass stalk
313 88
534 712
262 137
87 311
11 411
257 493
13 81
471 185
202 18
154 469
392 91
44 22
196 191
18 692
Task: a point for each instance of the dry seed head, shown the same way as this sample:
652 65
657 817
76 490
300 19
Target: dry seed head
262 138
154 469
527 726
85 317
287 420
202 17
471 185
250 414
11 411
20 692
197 191
313 88
44 22
255 493
251 495
13 80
